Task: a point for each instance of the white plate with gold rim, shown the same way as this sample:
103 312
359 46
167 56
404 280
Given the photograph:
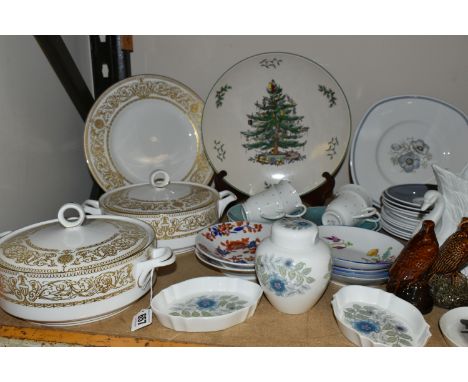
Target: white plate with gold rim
276 116
399 138
143 123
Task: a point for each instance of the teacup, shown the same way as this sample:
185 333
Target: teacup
351 206
278 201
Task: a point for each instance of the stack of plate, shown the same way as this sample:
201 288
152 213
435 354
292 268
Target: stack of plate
230 247
359 256
401 208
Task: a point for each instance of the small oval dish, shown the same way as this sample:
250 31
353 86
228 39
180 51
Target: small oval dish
372 317
206 304
451 327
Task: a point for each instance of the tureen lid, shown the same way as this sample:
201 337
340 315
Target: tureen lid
159 196
294 233
74 244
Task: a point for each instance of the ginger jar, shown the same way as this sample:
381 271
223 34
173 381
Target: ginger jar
293 266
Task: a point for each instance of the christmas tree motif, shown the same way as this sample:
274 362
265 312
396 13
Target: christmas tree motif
276 129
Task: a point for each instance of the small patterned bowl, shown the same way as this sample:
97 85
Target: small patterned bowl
206 304
232 242
372 317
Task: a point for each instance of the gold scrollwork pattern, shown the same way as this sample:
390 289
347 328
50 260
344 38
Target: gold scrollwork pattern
140 87
168 228
21 251
68 292
122 202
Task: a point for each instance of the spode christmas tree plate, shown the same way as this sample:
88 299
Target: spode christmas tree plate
399 138
276 116
141 124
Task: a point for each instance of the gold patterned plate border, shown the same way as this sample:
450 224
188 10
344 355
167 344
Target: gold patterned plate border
99 123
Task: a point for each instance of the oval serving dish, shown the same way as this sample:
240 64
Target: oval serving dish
372 317
206 304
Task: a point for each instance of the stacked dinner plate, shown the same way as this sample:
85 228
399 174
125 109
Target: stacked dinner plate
401 208
359 256
230 247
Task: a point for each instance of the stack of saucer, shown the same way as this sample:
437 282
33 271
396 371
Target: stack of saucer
401 208
230 247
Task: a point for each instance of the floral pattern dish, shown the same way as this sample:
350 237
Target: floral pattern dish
232 242
372 317
205 304
357 248
400 137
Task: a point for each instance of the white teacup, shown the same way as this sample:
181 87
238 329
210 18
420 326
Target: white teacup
351 206
278 201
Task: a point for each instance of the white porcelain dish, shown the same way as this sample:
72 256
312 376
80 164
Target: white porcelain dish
243 136
177 211
451 327
142 123
369 273
72 271
360 248
411 195
400 137
222 266
349 280
232 242
372 317
206 304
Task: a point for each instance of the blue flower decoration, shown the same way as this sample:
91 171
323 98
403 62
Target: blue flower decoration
278 285
206 303
409 162
288 263
366 326
401 328
420 147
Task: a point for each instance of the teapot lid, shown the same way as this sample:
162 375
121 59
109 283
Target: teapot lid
294 233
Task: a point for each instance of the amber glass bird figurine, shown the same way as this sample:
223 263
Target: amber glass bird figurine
407 275
453 254
449 286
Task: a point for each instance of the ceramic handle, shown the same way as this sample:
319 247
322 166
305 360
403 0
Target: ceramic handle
225 197
71 223
159 179
367 212
160 257
91 207
303 210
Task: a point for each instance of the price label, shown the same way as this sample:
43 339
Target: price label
143 318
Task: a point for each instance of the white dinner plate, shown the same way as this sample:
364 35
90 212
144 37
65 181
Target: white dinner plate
276 116
141 124
400 137
451 327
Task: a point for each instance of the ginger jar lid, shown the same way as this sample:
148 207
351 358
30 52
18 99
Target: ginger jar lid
294 233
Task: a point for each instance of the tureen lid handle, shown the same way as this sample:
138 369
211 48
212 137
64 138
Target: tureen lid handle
159 178
75 222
